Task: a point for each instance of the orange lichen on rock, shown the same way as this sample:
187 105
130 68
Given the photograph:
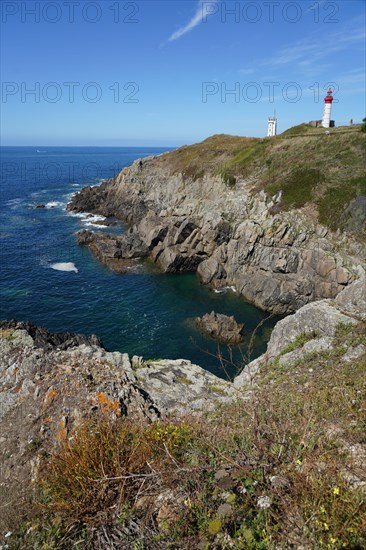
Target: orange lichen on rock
108 405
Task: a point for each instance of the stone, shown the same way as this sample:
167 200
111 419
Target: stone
180 386
352 299
221 327
313 346
319 318
354 353
279 482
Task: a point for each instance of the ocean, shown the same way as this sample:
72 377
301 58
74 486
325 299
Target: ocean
46 278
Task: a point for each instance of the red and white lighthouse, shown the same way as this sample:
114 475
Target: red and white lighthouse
328 100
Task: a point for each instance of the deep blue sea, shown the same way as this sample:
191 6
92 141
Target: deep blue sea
146 313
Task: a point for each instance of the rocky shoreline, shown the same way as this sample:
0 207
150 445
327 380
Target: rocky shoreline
229 236
52 383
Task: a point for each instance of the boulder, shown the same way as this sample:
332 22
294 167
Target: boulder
221 327
318 319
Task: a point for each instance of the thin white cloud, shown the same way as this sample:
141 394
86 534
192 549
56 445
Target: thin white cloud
313 53
204 10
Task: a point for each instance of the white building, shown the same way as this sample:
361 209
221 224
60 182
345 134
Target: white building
272 126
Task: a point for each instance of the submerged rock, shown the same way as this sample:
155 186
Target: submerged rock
221 327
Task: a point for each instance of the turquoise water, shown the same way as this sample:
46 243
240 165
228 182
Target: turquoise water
145 313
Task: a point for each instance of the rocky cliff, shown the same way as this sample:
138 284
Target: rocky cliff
188 213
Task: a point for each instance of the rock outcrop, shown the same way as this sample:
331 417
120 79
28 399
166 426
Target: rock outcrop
311 329
230 236
48 341
118 252
221 327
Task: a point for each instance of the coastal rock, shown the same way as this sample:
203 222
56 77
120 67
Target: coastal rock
51 383
41 338
194 222
319 319
178 385
117 252
221 327
352 300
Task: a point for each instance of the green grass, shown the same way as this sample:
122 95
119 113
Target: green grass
309 166
298 187
335 209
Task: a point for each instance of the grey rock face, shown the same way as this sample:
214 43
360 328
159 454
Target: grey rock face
278 262
42 338
221 327
179 386
352 300
115 251
319 319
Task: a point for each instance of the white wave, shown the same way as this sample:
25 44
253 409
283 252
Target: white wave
225 289
76 214
53 204
64 266
92 218
14 201
97 225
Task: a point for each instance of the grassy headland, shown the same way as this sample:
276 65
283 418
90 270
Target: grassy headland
310 167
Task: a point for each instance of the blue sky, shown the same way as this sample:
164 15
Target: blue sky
116 72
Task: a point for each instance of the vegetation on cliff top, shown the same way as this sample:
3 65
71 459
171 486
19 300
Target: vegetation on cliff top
325 170
282 470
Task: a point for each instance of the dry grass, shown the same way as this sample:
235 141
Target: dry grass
273 473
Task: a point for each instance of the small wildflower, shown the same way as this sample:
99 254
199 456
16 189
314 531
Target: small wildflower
298 462
335 490
188 503
264 502
326 526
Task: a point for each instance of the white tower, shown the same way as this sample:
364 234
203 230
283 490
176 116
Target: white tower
328 100
272 126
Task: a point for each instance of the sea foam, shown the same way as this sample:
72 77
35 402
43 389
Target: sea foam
64 266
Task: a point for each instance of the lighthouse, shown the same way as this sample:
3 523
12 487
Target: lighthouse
272 126
328 100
